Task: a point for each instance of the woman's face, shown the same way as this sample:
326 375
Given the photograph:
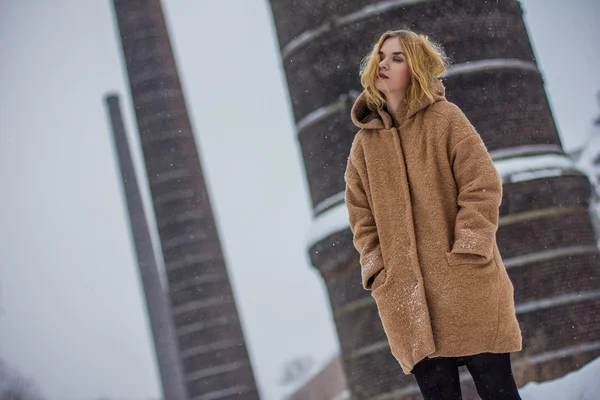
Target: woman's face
394 74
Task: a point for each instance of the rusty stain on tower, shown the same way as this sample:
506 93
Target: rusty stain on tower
545 234
213 352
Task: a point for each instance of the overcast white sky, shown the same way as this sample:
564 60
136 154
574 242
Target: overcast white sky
72 315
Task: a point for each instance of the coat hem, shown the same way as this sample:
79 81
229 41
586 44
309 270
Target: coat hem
472 353
408 369
449 355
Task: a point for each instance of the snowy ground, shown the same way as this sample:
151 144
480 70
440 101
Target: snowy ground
583 384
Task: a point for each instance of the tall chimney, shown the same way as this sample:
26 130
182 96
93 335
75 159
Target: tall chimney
213 352
545 234
157 303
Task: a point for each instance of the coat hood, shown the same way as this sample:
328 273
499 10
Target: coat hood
365 118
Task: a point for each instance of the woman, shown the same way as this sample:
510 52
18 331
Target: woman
423 196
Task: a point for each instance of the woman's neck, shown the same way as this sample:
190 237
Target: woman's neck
393 101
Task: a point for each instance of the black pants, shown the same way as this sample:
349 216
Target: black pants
438 377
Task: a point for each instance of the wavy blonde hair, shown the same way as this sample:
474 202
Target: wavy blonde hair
426 60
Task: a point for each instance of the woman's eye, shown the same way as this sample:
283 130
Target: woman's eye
397 59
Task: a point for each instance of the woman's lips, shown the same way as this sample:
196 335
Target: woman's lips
382 76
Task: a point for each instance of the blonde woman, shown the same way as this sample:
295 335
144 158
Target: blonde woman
423 199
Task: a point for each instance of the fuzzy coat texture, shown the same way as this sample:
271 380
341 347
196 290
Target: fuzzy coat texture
423 199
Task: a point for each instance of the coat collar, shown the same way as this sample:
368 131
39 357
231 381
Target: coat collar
365 118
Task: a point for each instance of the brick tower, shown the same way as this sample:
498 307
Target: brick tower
213 353
545 234
157 304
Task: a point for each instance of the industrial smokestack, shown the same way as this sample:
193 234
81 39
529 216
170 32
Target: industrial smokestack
212 348
157 302
545 234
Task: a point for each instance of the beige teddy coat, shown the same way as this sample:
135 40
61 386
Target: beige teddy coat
423 202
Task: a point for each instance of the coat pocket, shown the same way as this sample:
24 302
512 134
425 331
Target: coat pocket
379 279
456 259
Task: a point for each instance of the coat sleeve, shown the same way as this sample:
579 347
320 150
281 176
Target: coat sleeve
479 189
362 224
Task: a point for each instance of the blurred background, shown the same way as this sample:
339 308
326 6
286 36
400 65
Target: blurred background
73 319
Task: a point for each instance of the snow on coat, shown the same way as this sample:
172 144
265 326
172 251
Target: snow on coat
423 202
